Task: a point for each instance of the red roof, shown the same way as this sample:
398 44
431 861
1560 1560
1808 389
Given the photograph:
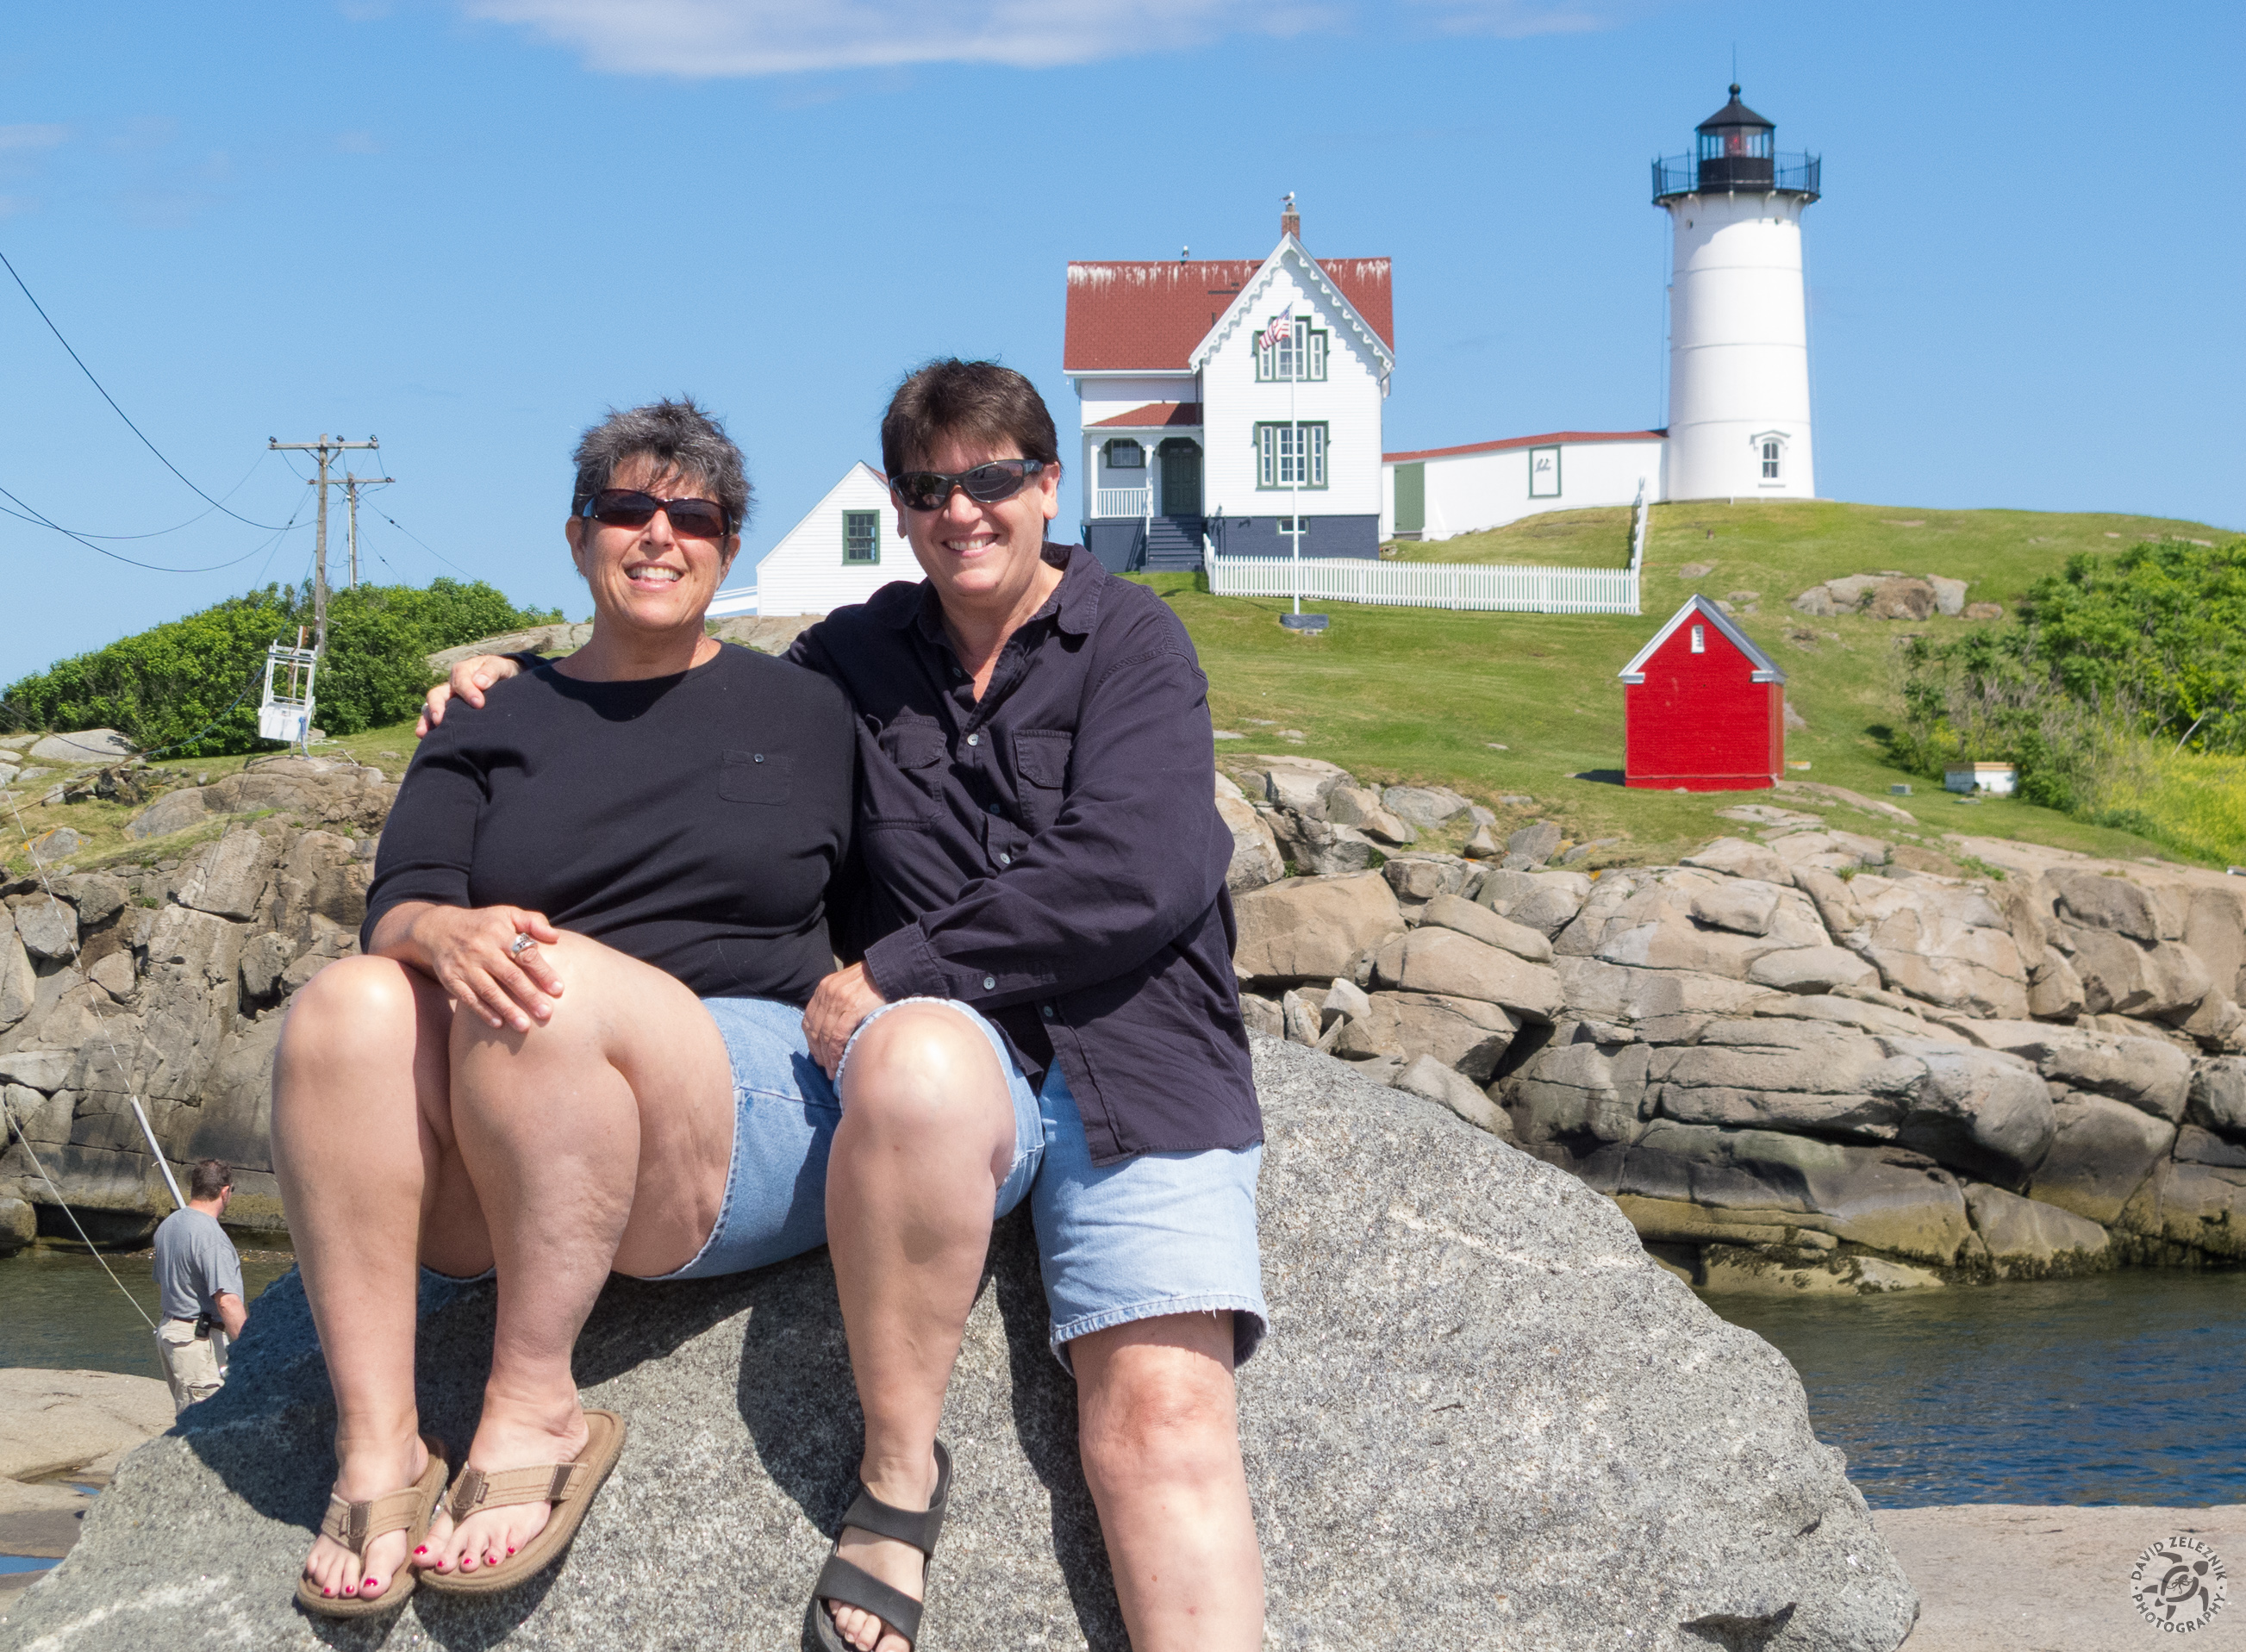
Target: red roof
1155 416
1148 317
1531 441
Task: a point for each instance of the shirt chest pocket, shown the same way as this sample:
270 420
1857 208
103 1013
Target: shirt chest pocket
907 786
753 777
1041 760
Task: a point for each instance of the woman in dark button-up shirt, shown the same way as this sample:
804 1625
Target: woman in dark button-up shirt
1039 847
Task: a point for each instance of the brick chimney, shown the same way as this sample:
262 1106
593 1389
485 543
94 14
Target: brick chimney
1290 221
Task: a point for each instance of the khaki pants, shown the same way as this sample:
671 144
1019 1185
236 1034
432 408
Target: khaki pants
194 1366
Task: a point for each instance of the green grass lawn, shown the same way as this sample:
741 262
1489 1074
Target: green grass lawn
1428 695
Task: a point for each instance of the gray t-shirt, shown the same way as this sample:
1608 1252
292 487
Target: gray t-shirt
194 1261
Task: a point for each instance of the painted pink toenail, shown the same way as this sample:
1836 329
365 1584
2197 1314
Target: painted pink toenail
510 1548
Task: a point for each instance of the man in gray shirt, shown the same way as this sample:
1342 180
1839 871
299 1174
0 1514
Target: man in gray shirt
199 1287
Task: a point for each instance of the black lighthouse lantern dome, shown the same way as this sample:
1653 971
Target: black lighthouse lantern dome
1734 154
1735 149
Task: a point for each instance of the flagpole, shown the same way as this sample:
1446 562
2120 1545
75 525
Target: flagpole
1294 345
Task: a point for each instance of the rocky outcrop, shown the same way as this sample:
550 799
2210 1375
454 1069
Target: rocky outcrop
1809 1057
1483 1417
1886 596
165 979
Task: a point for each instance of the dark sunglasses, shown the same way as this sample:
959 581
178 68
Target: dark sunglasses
986 483
697 519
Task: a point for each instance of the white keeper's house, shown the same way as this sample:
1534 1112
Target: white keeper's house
845 550
1738 363
1203 427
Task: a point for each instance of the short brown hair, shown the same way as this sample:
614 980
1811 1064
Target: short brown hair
950 399
212 1178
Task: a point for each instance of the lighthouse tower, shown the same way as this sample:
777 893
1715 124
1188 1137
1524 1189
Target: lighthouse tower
1739 340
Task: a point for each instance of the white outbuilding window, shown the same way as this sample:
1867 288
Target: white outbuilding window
1770 461
1700 639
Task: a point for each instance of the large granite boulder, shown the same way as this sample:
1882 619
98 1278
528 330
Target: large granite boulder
1484 1418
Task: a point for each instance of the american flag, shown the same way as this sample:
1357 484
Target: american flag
1281 326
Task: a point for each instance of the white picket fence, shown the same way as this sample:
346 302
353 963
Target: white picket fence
1479 586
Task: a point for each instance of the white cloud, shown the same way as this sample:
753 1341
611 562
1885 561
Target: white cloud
701 38
17 139
1513 19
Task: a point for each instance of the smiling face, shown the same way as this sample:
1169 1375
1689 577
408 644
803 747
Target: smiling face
984 559
650 579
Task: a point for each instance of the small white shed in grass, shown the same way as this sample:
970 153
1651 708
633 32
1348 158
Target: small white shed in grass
1998 779
845 548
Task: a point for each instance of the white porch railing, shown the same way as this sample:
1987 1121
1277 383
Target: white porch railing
1454 585
1122 501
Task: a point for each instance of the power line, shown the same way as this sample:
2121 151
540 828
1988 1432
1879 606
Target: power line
26 513
157 533
119 411
402 529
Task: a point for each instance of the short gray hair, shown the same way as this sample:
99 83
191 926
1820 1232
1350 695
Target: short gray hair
681 436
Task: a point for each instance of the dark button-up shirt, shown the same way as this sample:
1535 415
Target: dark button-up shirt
1051 853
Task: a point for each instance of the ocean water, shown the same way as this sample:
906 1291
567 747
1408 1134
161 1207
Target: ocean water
2124 1387
59 1311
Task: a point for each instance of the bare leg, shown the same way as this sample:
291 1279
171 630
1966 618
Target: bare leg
1160 1432
599 1140
372 1181
927 1137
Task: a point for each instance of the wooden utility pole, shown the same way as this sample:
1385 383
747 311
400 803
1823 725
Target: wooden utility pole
351 486
324 448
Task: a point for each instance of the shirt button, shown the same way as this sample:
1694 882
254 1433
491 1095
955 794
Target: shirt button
992 807
990 982
760 757
1046 1011
973 739
1005 860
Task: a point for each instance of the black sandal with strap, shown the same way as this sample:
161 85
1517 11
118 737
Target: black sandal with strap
847 1584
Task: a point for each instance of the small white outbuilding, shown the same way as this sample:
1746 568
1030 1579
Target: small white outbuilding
846 547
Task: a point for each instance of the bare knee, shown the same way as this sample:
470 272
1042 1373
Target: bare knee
921 1071
353 1006
1155 1413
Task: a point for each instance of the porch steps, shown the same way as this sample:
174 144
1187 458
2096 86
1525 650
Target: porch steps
1173 544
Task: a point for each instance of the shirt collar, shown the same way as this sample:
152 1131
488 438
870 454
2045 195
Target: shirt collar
1074 605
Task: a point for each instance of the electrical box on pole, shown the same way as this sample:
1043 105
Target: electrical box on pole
285 713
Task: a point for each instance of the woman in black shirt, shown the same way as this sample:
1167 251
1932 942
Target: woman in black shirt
598 910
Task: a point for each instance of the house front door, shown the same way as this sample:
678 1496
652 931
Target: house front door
1180 478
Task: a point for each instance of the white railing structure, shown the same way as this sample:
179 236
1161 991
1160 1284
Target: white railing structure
1122 501
1476 585
1479 586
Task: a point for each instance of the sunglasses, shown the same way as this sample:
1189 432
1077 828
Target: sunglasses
699 519
986 483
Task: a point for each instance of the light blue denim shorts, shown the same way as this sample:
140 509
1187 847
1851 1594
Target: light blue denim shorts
1159 1233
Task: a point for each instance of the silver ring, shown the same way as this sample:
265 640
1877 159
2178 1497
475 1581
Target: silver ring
520 942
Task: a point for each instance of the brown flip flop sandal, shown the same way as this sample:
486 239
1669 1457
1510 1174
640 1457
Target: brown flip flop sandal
568 1487
355 1524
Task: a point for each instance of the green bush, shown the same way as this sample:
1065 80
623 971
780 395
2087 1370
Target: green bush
2123 678
164 685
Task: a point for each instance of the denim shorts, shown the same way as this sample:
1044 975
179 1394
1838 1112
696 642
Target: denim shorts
1159 1233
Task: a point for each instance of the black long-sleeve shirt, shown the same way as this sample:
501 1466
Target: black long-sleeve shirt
692 822
1051 853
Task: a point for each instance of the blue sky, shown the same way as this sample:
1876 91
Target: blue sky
469 225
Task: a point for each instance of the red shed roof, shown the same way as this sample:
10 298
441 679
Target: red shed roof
1766 669
1546 440
1154 415
1146 317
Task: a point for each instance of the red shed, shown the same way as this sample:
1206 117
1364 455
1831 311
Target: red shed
1704 710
